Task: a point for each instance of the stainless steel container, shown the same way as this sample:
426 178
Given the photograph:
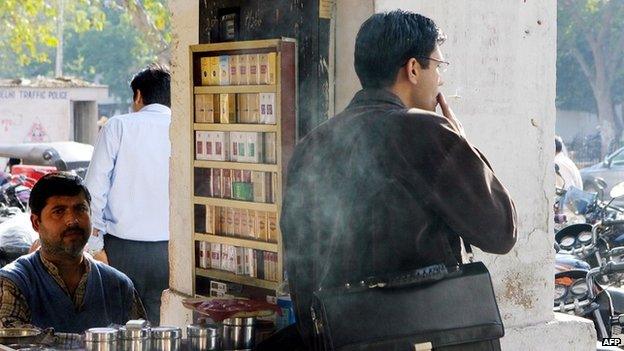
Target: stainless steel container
203 337
165 338
133 339
101 339
238 333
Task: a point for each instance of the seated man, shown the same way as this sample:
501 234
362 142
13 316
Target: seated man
58 285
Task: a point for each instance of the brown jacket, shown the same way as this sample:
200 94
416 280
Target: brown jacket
379 189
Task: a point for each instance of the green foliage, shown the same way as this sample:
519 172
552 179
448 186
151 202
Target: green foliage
581 24
101 43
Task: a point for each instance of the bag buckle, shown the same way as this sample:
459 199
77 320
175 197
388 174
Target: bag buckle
423 346
374 282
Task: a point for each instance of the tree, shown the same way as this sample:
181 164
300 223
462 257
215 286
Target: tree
591 37
132 34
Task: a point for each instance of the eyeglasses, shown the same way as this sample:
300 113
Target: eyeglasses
442 65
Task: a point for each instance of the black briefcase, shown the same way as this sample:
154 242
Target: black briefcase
433 307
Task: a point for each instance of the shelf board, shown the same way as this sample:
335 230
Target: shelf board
234 89
235 127
238 45
235 241
263 167
231 277
246 205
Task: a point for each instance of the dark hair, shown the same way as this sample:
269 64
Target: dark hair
386 41
154 82
558 144
56 184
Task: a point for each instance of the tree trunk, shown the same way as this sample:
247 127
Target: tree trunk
606 116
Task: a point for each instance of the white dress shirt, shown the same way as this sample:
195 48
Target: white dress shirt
569 172
128 176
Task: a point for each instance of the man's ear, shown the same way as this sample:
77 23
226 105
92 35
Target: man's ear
138 97
35 221
412 70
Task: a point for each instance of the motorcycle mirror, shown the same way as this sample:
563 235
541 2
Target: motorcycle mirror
617 190
557 247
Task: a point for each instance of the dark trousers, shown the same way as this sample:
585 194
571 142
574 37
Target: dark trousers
147 265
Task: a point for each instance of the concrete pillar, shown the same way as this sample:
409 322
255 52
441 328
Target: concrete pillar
503 72
184 22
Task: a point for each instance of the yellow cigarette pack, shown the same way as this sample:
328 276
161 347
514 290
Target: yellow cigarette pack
233 63
214 70
243 108
253 104
205 70
227 108
253 68
266 73
243 69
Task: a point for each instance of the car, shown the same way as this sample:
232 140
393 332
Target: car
36 158
611 170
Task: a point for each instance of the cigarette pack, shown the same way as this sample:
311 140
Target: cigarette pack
224 70
221 151
243 69
273 190
210 219
253 104
251 224
215 255
222 224
258 181
267 68
243 108
267 108
214 70
262 225
201 181
269 148
204 252
226 178
244 226
200 145
209 143
225 257
205 70
215 179
253 69
272 227
233 63
227 108
242 191
236 223
204 108
233 145
246 176
254 147
229 220
241 147
240 260
232 258
260 263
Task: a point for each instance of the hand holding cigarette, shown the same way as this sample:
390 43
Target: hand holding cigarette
450 116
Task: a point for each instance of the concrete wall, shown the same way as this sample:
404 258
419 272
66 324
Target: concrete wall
42 114
184 21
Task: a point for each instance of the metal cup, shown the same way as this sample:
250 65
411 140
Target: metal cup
203 337
238 333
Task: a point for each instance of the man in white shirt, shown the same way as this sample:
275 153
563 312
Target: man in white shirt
568 170
129 181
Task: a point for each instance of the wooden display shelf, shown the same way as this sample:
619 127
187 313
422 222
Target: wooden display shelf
262 167
240 45
245 205
235 89
236 241
235 127
240 279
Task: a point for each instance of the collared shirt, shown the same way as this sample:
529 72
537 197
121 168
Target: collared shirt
381 188
569 172
128 176
14 310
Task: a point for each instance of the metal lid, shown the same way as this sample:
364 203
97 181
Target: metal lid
202 330
166 332
126 333
101 334
239 321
